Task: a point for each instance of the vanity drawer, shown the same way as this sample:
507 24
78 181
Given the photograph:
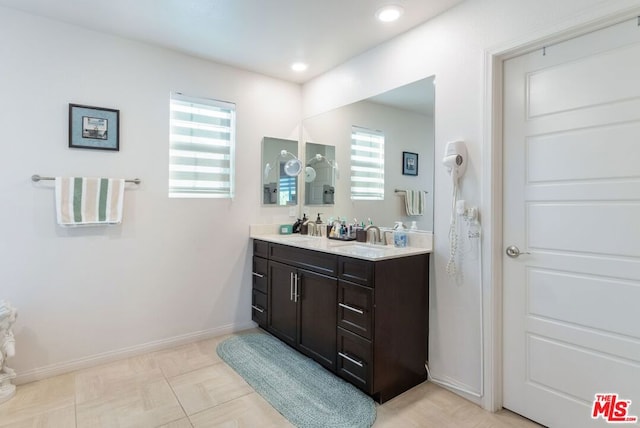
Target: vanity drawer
260 248
355 308
259 273
355 360
259 308
315 261
356 270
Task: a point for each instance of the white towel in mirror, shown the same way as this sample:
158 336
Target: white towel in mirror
414 201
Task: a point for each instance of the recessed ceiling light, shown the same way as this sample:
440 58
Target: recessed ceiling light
389 13
299 66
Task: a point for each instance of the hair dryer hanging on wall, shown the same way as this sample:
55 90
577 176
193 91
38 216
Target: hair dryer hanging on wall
455 159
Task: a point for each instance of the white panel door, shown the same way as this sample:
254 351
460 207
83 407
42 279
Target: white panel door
571 299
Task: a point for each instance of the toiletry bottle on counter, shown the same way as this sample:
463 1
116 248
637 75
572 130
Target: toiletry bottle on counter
319 226
296 226
304 227
399 235
321 230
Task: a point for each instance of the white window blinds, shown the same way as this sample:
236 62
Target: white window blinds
287 186
202 148
367 164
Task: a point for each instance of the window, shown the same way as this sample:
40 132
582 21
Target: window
202 148
367 164
287 187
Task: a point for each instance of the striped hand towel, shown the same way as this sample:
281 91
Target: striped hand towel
414 202
82 201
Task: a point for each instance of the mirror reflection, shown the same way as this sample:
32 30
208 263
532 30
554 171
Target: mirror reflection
405 117
320 174
281 167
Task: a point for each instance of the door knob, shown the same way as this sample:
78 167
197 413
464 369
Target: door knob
513 251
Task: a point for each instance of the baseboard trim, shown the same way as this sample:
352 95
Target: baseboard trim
110 356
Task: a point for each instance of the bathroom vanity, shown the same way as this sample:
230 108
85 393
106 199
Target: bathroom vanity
358 310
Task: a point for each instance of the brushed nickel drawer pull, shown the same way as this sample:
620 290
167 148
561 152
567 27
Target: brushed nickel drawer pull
351 308
257 308
346 357
259 275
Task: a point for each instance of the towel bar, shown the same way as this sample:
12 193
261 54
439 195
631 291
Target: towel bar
36 178
402 191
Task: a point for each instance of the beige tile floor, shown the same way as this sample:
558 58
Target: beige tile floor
189 386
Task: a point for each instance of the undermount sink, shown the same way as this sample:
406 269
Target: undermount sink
364 250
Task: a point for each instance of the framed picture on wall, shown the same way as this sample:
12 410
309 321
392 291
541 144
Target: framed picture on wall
409 163
94 127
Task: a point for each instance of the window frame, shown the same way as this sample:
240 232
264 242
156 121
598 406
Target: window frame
201 158
360 166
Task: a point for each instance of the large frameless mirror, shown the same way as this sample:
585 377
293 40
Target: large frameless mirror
405 116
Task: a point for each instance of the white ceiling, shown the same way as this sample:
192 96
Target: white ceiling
264 36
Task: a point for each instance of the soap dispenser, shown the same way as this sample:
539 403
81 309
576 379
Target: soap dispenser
399 235
304 227
319 227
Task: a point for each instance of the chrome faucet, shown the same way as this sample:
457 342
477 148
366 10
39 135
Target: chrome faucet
371 238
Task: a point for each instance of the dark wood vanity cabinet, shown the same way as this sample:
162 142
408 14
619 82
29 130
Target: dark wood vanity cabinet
366 321
302 302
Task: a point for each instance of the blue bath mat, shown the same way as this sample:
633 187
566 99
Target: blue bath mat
299 388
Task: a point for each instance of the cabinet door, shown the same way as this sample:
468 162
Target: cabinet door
318 316
282 307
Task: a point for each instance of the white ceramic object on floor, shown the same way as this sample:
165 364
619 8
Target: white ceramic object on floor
8 316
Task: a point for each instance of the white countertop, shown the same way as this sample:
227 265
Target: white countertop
358 250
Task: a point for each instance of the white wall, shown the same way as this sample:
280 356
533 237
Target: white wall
176 268
453 47
404 131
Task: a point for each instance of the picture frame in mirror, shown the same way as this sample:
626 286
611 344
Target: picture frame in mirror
409 163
